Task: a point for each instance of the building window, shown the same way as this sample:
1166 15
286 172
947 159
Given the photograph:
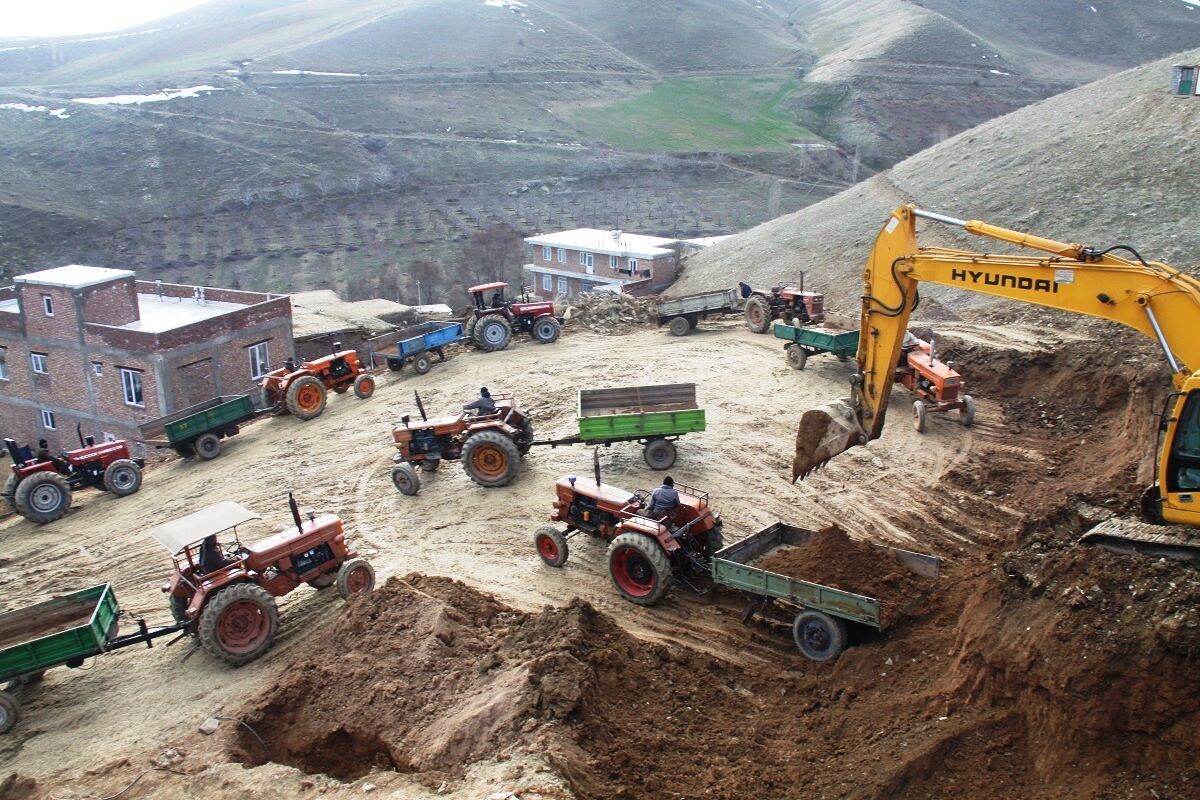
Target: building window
48 305
131 387
47 419
3 363
98 368
633 266
563 286
585 259
39 363
613 262
584 287
547 283
259 360
547 253
562 255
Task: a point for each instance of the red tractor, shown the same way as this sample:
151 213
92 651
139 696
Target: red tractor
489 444
937 386
492 321
300 390
40 487
224 592
786 303
644 554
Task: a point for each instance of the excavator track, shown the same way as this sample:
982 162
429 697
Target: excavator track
1127 535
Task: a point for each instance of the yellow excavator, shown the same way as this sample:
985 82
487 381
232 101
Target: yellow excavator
1160 301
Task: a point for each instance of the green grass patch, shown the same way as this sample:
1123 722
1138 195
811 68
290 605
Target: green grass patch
687 115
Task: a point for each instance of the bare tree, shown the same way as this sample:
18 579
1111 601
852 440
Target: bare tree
492 254
427 276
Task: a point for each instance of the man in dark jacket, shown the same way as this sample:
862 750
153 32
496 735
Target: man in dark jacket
663 499
484 405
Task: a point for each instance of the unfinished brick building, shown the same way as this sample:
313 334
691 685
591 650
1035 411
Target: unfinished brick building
96 346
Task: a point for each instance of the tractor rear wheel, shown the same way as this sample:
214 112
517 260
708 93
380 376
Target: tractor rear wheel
546 329
919 416
469 326
551 545
405 479
491 458
43 497
797 356
680 326
10 712
422 363
639 568
306 397
659 453
9 492
124 477
966 414
758 314
239 624
208 446
356 576
492 333
819 636
364 387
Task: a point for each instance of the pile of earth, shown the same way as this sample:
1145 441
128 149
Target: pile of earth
427 675
605 312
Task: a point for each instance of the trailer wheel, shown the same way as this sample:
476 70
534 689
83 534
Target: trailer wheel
758 315
10 712
239 624
208 446
9 492
178 607
797 356
123 477
551 545
395 364
491 459
546 329
306 397
364 387
422 363
43 497
680 326
966 414
356 576
659 453
639 568
405 479
819 636
492 333
919 416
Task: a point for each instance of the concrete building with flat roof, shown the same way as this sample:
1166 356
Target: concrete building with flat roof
96 347
586 259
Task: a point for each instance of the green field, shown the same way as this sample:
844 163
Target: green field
687 115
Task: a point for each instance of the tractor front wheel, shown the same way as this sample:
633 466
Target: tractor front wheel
364 387
551 545
492 333
491 458
546 329
10 712
639 568
919 413
9 492
405 479
43 497
208 446
966 414
239 624
659 454
819 636
306 397
356 576
758 315
124 477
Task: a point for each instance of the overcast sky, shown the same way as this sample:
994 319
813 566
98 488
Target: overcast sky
73 17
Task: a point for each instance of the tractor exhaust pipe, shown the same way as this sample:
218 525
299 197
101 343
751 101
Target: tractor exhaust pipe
596 464
420 407
824 432
295 512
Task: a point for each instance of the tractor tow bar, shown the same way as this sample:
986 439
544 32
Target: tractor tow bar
147 635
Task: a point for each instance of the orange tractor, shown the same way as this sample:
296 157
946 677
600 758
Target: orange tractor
493 318
490 444
223 591
40 487
787 303
644 553
937 386
300 390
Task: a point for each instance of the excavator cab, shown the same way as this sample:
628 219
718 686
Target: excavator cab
1179 469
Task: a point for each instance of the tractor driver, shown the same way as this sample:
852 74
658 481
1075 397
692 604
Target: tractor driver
211 556
43 454
909 344
484 405
663 499
497 299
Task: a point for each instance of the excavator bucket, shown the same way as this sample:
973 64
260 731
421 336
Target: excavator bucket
824 432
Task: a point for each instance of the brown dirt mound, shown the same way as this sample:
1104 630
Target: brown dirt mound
832 558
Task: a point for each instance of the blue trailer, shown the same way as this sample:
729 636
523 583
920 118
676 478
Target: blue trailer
416 344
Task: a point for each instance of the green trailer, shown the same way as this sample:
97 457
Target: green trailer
655 416
64 630
811 340
817 614
198 430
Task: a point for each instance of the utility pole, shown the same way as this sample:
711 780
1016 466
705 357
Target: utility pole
419 293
